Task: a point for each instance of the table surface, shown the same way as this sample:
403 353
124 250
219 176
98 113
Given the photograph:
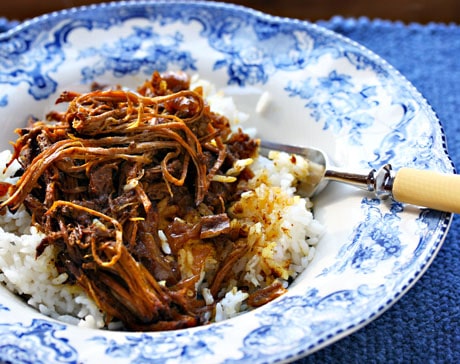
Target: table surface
424 325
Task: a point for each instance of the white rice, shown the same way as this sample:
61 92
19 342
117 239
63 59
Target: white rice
282 229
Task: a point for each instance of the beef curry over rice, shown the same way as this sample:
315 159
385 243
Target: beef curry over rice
134 190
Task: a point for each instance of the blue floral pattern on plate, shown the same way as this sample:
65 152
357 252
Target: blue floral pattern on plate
375 239
336 102
360 108
35 343
142 50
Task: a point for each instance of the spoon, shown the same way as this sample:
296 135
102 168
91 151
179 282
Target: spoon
435 190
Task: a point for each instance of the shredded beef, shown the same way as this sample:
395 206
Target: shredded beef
108 176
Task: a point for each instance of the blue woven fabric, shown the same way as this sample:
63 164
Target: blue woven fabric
6 24
424 325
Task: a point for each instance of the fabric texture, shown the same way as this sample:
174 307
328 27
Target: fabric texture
424 325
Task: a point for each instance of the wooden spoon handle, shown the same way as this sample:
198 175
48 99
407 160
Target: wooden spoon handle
434 190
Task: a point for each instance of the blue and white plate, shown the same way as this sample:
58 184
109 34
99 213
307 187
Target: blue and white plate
322 90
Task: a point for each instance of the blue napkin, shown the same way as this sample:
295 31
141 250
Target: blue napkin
6 24
424 325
